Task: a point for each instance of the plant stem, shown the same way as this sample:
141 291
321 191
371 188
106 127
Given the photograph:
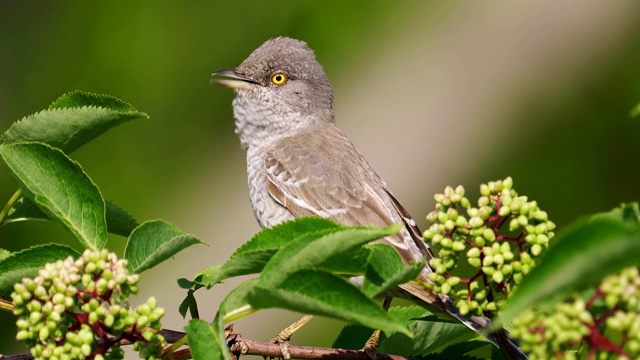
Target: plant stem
9 204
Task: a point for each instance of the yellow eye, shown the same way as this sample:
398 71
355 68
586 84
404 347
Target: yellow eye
279 78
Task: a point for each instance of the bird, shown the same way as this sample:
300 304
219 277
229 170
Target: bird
299 163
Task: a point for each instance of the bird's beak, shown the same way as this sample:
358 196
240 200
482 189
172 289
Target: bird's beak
233 81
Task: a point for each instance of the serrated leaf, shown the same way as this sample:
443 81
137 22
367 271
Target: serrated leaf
119 222
68 128
350 263
320 293
236 304
207 342
60 188
354 336
312 250
251 257
154 242
430 336
26 263
580 257
385 270
80 99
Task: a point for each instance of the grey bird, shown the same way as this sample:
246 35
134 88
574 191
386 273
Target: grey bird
300 164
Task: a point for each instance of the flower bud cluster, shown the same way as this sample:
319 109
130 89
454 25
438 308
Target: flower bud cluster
609 323
501 238
76 309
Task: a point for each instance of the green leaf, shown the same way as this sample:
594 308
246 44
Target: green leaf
312 250
207 342
4 254
353 337
154 242
581 257
236 304
251 257
26 263
626 213
430 336
462 351
79 99
72 121
386 270
188 303
119 222
60 188
320 293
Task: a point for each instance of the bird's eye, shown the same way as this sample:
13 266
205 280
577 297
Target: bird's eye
279 79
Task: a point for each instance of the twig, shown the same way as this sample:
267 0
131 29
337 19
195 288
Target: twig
239 346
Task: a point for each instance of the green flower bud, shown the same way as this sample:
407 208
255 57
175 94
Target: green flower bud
489 234
536 249
445 289
504 211
474 252
449 225
453 281
93 317
461 221
485 190
458 246
541 215
484 201
542 239
517 278
550 225
43 334
475 262
507 183
488 270
487 261
513 224
498 276
464 202
491 306
85 349
476 222
23 335
541 229
479 241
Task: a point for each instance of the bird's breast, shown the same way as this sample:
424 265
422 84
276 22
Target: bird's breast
266 210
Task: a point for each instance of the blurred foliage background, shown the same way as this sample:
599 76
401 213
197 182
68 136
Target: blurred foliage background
433 93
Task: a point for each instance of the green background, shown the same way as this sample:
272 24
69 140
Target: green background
432 93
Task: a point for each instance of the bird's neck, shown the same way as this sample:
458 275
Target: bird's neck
259 127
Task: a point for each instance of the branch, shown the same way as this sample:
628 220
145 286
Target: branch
239 346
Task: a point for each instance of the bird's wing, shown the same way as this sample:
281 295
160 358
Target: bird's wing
322 174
